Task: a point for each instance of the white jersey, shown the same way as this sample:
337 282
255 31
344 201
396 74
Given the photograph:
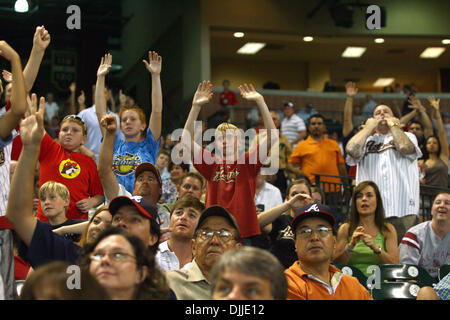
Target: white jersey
396 175
421 246
5 162
292 127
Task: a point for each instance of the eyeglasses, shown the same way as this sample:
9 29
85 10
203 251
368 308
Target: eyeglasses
306 233
222 235
113 256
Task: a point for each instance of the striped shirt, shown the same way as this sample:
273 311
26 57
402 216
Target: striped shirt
396 175
421 246
291 127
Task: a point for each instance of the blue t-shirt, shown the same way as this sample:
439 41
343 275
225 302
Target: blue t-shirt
128 155
46 246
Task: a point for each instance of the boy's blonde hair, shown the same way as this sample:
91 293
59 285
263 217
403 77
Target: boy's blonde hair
53 187
224 126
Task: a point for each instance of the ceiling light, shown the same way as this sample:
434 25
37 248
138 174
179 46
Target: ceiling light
353 52
446 41
21 6
308 39
432 52
238 34
379 40
251 48
383 82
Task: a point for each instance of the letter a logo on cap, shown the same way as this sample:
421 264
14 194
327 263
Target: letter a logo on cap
314 207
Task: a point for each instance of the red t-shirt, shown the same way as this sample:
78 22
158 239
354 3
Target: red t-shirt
227 98
233 187
73 169
21 268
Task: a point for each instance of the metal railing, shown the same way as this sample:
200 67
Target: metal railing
338 195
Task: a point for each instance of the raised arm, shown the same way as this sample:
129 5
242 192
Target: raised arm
355 147
202 96
269 216
250 94
351 91
41 40
401 141
73 107
153 65
100 100
105 157
19 211
18 97
441 131
81 101
422 113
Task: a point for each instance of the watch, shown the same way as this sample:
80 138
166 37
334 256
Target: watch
379 251
393 123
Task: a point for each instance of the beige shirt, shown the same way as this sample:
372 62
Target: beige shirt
189 284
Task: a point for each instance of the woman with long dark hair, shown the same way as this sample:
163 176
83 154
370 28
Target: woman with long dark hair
366 239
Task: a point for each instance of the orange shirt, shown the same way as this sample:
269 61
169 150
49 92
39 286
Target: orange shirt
321 158
302 287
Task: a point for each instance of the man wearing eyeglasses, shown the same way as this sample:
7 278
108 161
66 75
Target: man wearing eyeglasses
217 232
313 277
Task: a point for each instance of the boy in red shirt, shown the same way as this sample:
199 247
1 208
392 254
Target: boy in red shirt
62 162
231 175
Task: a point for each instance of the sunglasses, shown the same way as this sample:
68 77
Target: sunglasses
74 116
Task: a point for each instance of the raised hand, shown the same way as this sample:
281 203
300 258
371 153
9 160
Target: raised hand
249 93
122 98
154 62
357 235
41 38
434 103
32 127
7 76
105 65
203 94
81 98
72 87
299 200
415 103
109 123
351 89
7 52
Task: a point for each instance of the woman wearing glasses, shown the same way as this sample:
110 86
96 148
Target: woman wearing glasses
365 239
62 162
125 267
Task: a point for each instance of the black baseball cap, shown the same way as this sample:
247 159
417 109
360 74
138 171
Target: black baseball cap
217 211
148 210
313 210
288 104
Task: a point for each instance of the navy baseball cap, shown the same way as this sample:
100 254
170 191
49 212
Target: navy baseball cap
217 211
313 210
288 104
145 207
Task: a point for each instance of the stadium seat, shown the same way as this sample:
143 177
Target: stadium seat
354 272
406 272
395 290
443 271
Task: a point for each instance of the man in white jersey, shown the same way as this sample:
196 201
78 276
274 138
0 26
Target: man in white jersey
387 155
428 244
292 126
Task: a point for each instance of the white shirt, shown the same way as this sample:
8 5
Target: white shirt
396 175
269 196
421 246
167 260
94 135
51 110
292 127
